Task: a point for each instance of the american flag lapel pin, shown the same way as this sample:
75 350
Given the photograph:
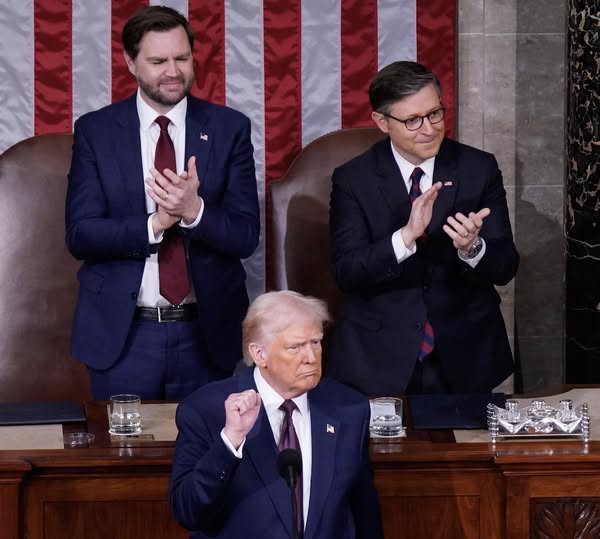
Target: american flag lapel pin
330 429
448 183
204 137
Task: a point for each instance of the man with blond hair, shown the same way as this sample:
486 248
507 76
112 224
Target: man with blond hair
225 481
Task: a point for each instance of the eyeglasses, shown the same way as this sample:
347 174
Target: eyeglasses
415 122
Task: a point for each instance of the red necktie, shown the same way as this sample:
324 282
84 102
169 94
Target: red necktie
427 341
172 264
289 440
415 187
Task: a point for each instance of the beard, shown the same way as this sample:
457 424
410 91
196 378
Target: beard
154 92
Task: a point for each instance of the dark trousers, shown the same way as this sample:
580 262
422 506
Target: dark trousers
160 361
427 377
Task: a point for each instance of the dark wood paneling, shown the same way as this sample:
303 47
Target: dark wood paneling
116 519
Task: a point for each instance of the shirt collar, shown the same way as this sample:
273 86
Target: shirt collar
406 168
147 114
273 400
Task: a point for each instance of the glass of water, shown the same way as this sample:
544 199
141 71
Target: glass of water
386 416
125 415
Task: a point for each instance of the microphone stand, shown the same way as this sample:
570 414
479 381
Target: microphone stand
296 534
289 464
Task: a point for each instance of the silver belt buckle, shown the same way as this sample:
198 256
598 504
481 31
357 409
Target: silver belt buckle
160 316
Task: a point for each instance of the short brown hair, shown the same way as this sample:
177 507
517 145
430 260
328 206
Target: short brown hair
152 19
398 80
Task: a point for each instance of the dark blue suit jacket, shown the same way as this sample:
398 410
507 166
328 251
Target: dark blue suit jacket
217 495
377 335
106 224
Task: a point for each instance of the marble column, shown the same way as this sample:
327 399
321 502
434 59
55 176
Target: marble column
582 218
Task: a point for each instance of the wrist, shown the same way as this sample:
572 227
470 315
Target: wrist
157 227
235 438
191 215
408 238
472 250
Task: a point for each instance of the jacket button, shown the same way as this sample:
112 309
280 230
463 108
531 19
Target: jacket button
419 325
134 295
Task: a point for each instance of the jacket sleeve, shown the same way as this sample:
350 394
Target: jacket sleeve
501 260
362 257
230 223
202 468
95 229
364 499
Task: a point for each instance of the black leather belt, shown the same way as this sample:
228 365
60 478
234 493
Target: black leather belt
181 313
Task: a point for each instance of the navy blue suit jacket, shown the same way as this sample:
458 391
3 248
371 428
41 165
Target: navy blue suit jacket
217 495
106 227
377 335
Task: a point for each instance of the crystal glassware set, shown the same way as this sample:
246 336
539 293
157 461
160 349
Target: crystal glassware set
538 419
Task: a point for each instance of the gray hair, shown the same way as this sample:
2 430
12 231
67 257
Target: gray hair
275 311
397 81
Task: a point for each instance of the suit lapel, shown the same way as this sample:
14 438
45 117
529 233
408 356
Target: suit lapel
445 172
392 186
261 451
324 431
199 136
130 162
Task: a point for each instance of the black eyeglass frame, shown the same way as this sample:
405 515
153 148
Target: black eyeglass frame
422 118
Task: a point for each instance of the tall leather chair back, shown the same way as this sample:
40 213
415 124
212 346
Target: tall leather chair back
298 256
38 284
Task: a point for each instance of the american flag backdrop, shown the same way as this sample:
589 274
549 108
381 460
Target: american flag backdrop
297 68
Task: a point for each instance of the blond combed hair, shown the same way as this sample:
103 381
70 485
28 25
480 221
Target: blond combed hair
272 312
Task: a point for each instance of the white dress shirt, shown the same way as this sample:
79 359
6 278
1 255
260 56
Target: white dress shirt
401 251
271 400
149 293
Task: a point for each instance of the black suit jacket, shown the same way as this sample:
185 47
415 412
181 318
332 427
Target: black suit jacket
217 495
106 225
376 338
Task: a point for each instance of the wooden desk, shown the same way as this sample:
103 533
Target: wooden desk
430 488
107 491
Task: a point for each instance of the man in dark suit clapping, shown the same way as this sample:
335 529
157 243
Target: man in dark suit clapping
420 235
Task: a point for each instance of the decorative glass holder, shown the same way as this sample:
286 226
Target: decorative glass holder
538 420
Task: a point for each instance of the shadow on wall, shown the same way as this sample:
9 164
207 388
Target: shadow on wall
539 287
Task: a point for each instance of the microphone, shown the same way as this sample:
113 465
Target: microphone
289 464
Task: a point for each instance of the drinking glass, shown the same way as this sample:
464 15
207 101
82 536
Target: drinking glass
386 416
125 414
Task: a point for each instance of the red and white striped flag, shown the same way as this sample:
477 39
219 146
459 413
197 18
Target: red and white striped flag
297 68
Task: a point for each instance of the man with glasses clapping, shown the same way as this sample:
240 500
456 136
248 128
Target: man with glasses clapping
420 236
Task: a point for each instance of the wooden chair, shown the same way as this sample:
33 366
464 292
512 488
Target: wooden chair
298 254
38 284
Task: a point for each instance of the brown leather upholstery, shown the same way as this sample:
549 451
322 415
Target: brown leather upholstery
38 284
298 254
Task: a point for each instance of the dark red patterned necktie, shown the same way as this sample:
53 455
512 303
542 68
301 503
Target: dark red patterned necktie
289 440
415 186
427 341
172 264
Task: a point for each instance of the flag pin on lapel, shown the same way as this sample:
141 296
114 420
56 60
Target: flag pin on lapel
330 429
448 183
203 136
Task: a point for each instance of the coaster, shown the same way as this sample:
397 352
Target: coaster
78 439
142 437
402 434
